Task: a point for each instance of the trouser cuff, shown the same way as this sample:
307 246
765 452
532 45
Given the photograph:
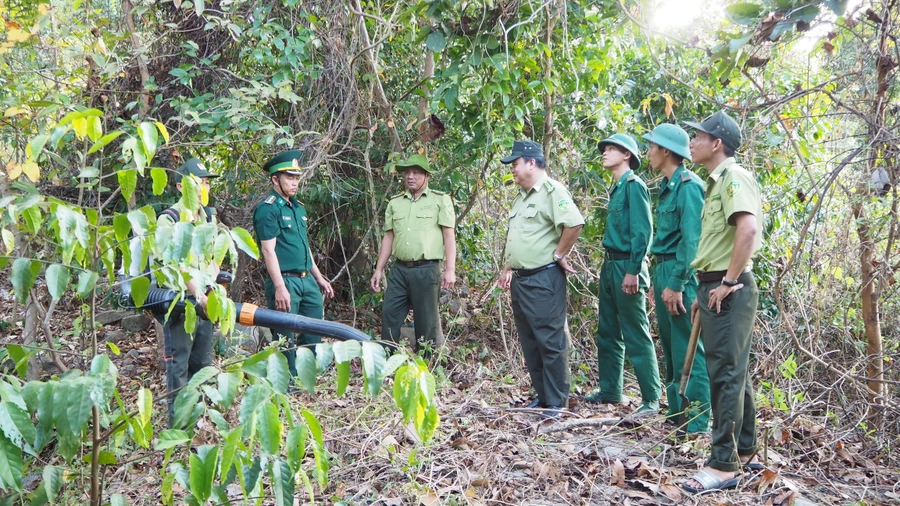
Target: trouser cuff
723 466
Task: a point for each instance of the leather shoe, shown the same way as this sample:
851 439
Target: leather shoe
535 403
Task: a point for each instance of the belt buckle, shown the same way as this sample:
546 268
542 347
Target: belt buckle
410 264
303 274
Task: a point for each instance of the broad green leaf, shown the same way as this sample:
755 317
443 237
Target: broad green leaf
228 451
145 406
163 131
138 433
9 240
17 426
36 145
132 151
80 126
429 423
127 182
190 192
253 398
318 446
10 465
140 224
78 404
117 500
121 226
86 282
57 280
140 287
114 349
20 357
746 14
214 305
202 376
68 445
185 402
105 458
52 482
406 391
373 363
180 245
204 237
149 137
89 173
94 128
190 318
277 372
345 351
228 385
160 179
250 475
200 480
306 369
269 428
22 277
245 242
104 141
296 446
343 377
282 483
252 364
166 489
436 42
324 357
199 7
171 438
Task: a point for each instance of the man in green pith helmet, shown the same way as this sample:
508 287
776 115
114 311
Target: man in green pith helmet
674 247
419 233
727 299
544 224
294 282
623 327
186 354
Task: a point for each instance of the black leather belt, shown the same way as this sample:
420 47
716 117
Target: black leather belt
295 274
715 276
616 255
524 273
664 257
417 263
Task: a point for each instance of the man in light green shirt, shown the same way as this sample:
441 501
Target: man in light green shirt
544 224
419 233
727 298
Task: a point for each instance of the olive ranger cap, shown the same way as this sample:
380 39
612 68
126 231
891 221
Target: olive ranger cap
193 167
413 161
287 162
528 149
721 126
673 138
623 141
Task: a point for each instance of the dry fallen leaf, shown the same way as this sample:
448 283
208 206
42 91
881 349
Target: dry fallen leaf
766 479
785 498
430 499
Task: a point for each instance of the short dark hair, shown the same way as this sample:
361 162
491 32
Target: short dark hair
538 160
726 150
678 158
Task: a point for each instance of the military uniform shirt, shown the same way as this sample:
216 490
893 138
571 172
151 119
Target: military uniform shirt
206 214
678 224
417 224
730 189
536 223
277 218
629 225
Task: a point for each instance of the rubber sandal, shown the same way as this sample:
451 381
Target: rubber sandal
754 466
710 482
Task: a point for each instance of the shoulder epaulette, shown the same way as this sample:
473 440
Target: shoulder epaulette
631 177
397 196
549 187
687 175
270 199
438 192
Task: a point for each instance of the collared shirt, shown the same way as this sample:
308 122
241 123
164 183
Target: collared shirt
629 225
678 211
730 189
418 224
536 223
205 215
286 222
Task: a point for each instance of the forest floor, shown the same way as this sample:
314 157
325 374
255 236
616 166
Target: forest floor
489 451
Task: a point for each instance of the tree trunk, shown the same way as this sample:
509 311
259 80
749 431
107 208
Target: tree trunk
553 12
871 321
30 339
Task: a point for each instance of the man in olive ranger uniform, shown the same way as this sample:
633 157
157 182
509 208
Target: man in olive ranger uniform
543 226
726 298
623 326
419 232
187 354
674 286
294 280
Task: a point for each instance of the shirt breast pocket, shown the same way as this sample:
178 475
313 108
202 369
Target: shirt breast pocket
667 216
714 216
531 220
426 219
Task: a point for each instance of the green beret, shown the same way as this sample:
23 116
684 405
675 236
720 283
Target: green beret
287 162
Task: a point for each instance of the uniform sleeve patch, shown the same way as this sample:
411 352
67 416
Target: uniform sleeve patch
563 205
733 188
270 199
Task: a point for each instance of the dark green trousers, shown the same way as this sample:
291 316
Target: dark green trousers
674 334
726 337
418 288
622 329
306 300
539 310
185 354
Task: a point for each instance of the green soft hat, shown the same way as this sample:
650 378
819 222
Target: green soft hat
673 138
413 161
623 141
193 167
721 126
528 149
287 162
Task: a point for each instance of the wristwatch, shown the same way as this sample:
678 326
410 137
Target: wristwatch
557 258
729 284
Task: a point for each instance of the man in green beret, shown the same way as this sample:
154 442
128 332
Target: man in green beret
294 282
623 327
678 208
419 232
727 298
185 354
544 224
